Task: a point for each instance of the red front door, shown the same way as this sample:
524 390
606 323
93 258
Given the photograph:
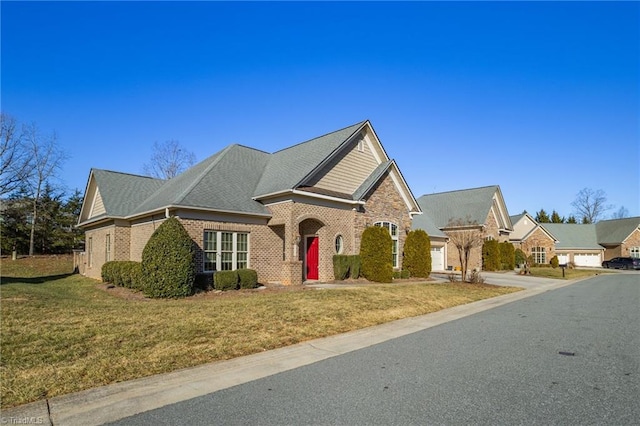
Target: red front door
312 258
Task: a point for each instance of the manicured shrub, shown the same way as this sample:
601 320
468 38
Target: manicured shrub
404 274
354 267
226 280
168 261
507 256
376 255
554 262
346 266
417 254
341 263
247 278
123 274
520 257
490 255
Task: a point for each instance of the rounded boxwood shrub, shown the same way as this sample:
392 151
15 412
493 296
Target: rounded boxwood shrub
417 254
554 262
247 278
376 256
225 280
168 261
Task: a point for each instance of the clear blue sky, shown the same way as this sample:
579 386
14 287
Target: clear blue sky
540 98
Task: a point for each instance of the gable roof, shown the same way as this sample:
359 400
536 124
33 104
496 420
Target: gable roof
466 204
573 236
224 182
120 192
615 231
519 235
287 168
237 177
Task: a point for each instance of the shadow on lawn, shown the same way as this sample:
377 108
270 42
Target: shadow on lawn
33 280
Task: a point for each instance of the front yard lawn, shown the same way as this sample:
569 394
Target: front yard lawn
67 333
569 274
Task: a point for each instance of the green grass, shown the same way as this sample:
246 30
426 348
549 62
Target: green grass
67 333
569 274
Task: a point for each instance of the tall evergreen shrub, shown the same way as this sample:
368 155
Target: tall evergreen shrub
168 261
417 254
376 256
490 255
507 256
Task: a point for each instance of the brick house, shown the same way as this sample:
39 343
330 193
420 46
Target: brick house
579 244
284 214
533 239
619 237
480 209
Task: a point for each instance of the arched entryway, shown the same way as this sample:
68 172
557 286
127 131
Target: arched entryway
310 252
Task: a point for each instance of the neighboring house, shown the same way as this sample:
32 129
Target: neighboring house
619 237
283 214
579 244
533 239
482 209
576 244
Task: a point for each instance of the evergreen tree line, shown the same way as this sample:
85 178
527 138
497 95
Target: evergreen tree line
54 227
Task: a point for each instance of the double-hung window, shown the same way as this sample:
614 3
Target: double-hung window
393 231
225 251
635 252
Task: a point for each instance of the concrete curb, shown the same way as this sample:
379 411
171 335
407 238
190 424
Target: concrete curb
116 401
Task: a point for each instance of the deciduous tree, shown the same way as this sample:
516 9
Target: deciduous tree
590 204
465 235
168 160
15 162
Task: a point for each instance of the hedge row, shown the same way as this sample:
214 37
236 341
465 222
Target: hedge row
233 280
346 266
123 273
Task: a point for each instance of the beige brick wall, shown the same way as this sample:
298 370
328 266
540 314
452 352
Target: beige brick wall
539 239
96 243
632 241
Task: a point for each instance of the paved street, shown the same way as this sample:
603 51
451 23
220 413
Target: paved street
569 356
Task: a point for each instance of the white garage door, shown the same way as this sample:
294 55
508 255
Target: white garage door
563 259
586 259
437 258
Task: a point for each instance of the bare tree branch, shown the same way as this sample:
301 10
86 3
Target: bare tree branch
621 213
168 160
465 235
15 163
47 160
590 205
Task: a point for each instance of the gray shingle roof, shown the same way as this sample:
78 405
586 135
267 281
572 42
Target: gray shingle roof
422 221
122 192
615 231
288 167
229 180
225 182
370 181
473 204
573 236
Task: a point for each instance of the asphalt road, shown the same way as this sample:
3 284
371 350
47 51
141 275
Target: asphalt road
569 357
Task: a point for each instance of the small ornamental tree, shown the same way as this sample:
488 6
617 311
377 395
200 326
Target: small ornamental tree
168 261
376 255
520 257
491 255
417 254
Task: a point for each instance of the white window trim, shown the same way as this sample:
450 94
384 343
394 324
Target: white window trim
218 250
